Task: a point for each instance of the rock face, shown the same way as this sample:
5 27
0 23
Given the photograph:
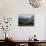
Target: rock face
35 3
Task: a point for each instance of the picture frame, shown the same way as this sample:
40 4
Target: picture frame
26 20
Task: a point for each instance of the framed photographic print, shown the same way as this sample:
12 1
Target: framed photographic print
26 20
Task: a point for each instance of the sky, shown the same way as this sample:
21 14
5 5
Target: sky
25 15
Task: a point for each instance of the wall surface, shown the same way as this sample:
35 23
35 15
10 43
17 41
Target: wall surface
12 8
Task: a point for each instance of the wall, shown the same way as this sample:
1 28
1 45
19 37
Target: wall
45 29
12 8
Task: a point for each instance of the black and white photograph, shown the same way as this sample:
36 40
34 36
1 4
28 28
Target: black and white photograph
26 20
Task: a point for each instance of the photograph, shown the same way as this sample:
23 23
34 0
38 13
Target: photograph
26 20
